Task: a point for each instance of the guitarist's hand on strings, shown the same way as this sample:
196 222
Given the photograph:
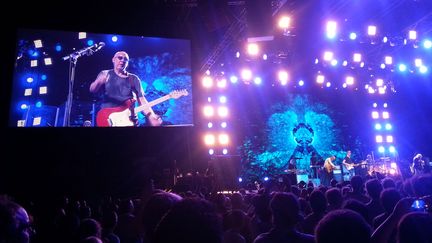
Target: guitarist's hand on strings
154 119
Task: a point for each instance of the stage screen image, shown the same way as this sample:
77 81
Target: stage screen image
290 129
80 79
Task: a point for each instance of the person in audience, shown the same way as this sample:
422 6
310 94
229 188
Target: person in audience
388 198
388 182
422 185
15 224
190 220
357 191
415 227
374 188
384 232
89 227
109 223
91 239
318 204
357 207
334 199
154 210
126 228
234 223
286 215
341 226
261 217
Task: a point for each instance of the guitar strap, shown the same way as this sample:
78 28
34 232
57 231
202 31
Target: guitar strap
134 90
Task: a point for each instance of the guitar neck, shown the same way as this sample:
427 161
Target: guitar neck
152 103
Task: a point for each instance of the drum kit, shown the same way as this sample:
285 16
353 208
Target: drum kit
383 166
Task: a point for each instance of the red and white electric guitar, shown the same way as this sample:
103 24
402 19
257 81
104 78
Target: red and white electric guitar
121 116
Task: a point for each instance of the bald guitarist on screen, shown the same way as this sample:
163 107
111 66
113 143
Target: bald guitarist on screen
120 92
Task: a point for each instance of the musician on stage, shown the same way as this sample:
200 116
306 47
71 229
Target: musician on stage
328 170
418 165
349 164
361 169
118 86
315 163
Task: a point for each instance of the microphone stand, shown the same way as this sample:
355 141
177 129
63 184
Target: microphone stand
73 58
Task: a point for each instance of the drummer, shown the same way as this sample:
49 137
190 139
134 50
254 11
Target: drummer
362 169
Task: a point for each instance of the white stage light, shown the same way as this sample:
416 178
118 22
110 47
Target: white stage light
284 22
379 82
331 29
412 35
427 44
378 139
328 55
372 30
388 60
349 80
207 82
320 79
82 35
38 43
253 49
357 57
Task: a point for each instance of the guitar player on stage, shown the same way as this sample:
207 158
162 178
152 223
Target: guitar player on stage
121 90
328 170
349 164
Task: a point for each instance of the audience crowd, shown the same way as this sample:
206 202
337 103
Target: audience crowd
376 210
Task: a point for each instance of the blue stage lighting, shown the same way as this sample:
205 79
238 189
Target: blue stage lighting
266 178
257 80
38 104
114 38
353 36
427 44
378 126
90 42
43 77
381 149
233 79
23 106
301 83
388 126
392 149
423 69
334 62
58 47
402 67
30 80
33 53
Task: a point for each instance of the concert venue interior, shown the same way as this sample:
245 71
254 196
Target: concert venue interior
268 91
